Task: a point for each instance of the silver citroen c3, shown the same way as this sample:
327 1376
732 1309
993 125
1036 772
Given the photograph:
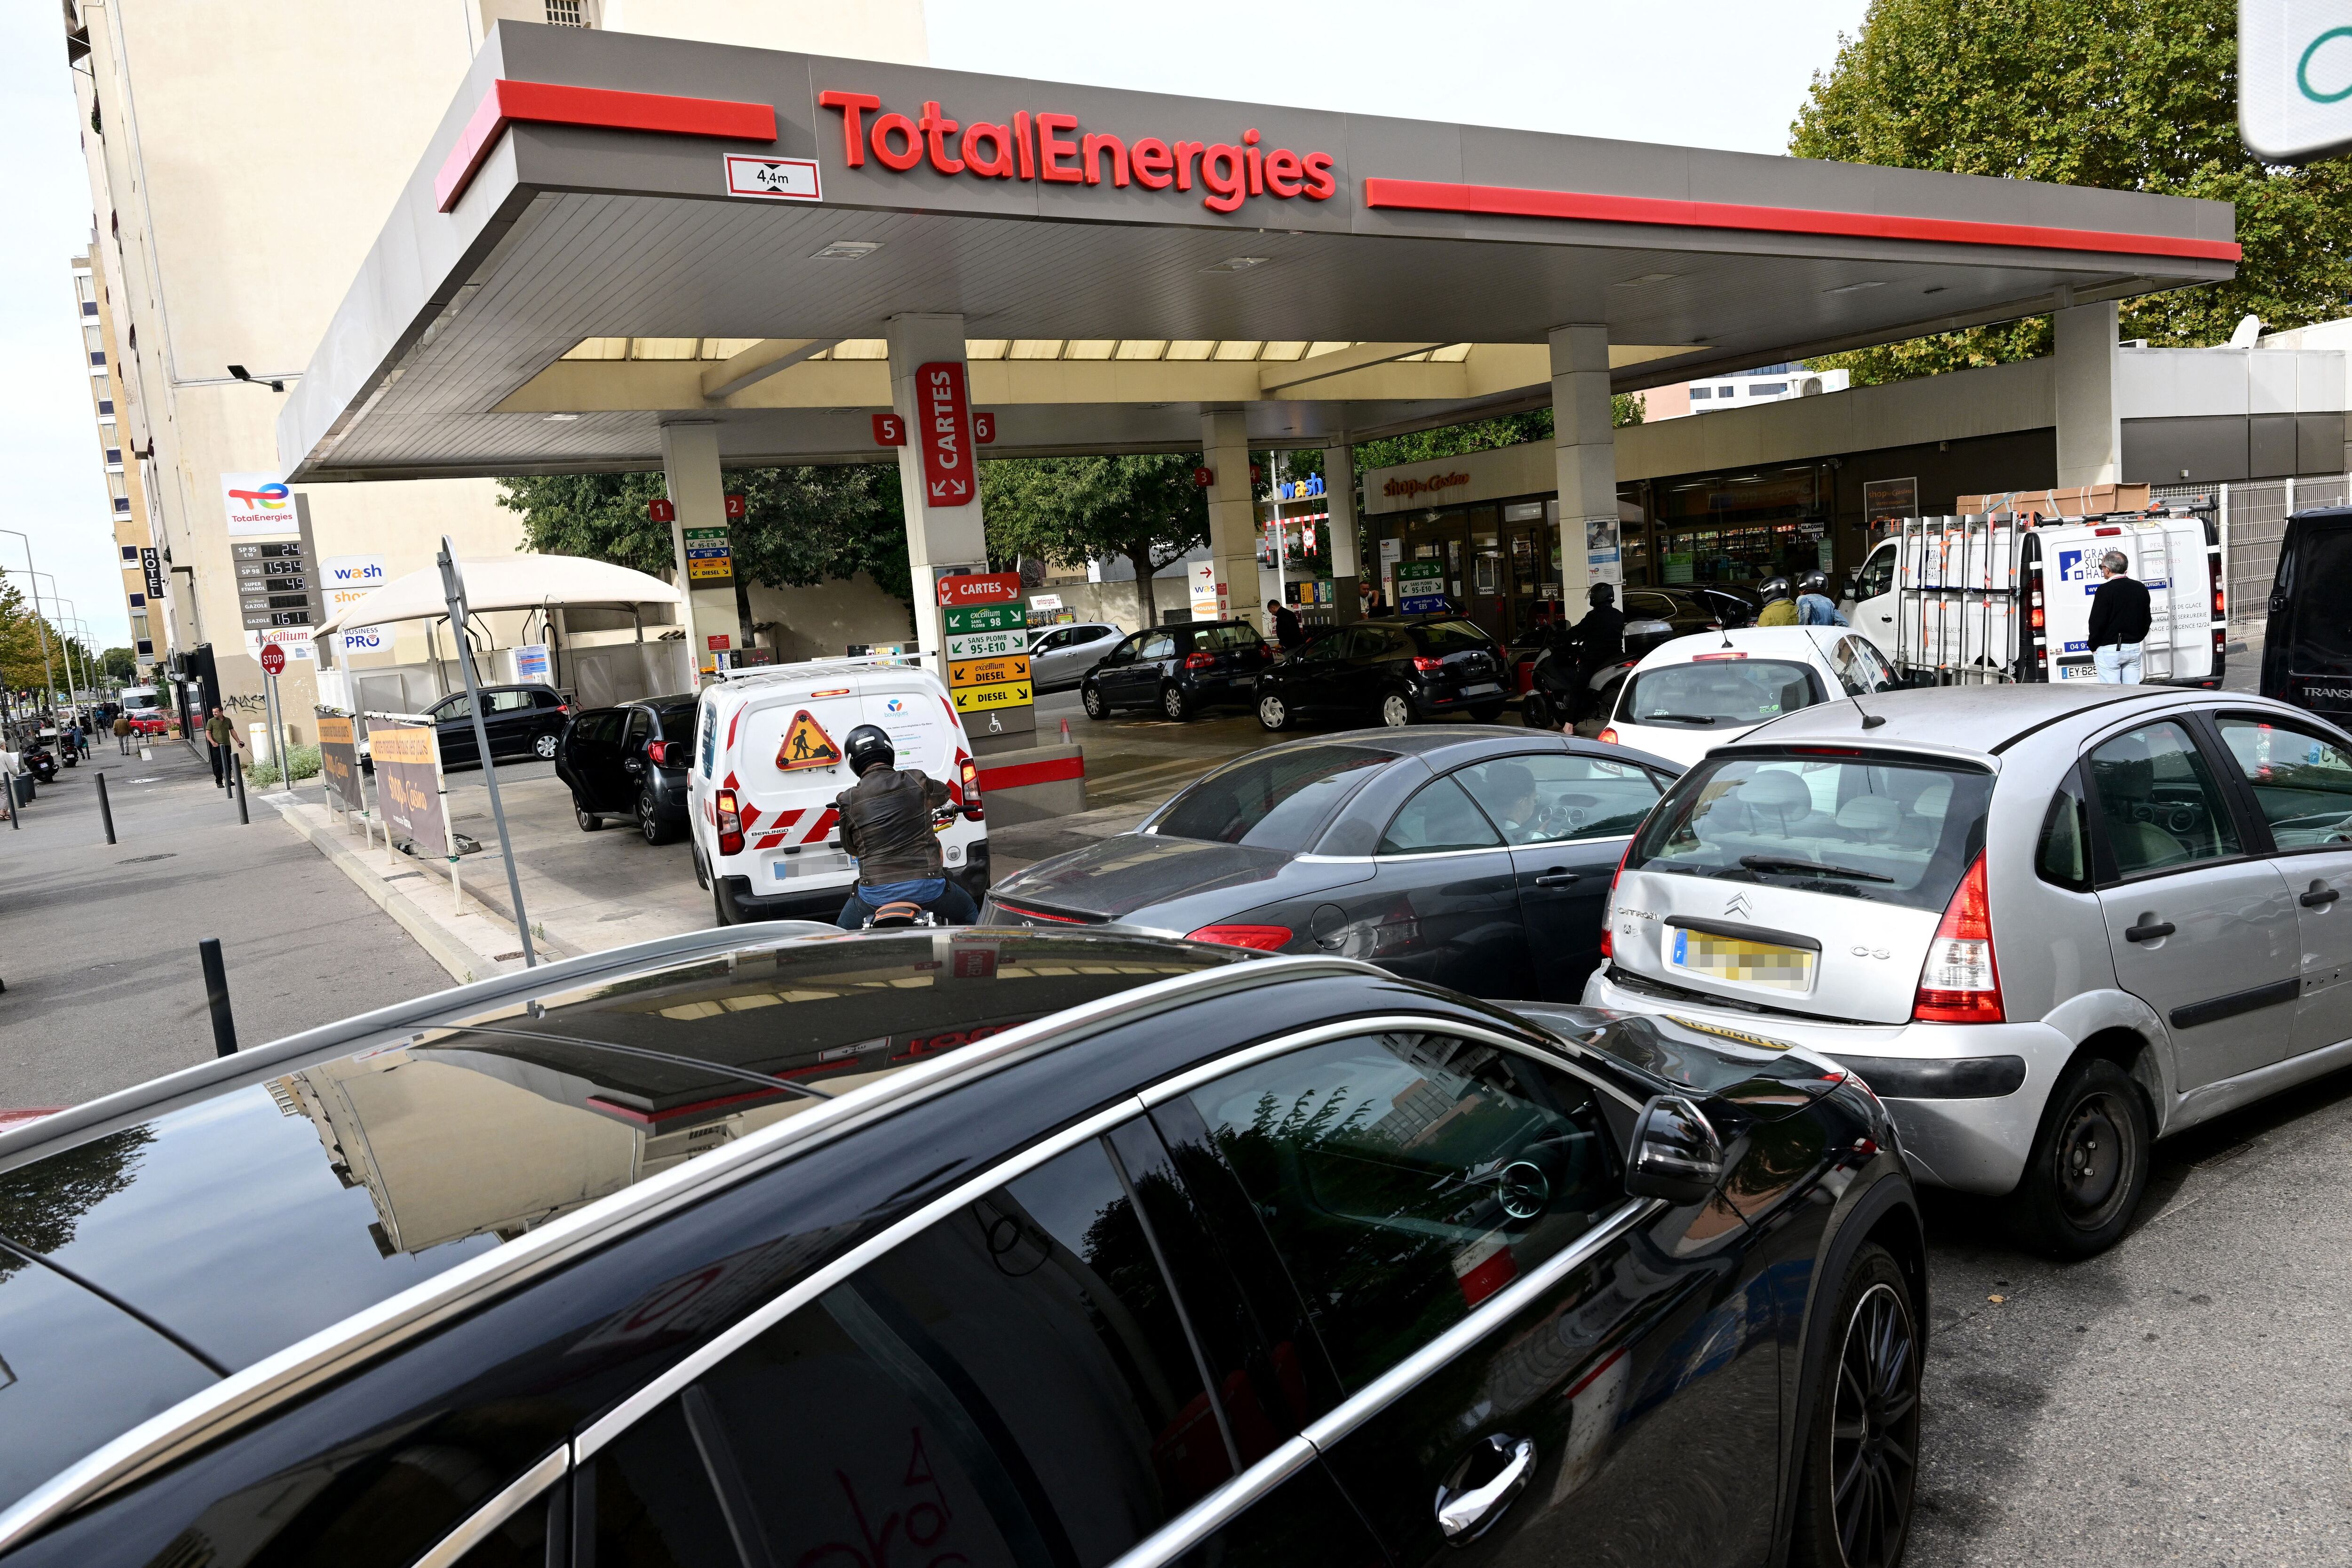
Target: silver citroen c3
2047 924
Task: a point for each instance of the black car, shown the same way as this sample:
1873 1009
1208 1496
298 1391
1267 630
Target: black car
630 761
1178 669
741 1248
1475 858
1397 671
2308 642
1652 615
520 720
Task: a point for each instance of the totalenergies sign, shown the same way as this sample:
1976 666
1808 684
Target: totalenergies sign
1048 147
257 504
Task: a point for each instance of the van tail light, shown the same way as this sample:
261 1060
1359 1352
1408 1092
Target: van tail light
1265 939
730 823
1426 665
972 788
1608 904
1200 661
1608 737
1959 982
2220 605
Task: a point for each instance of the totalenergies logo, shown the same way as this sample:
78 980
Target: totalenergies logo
269 498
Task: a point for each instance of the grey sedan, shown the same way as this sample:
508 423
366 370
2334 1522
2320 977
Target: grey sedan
1476 858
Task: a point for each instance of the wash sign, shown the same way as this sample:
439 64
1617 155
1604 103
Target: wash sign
2295 79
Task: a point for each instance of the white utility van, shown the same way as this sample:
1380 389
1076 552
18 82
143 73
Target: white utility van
1998 598
767 764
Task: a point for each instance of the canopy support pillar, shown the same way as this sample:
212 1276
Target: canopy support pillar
1584 458
1232 514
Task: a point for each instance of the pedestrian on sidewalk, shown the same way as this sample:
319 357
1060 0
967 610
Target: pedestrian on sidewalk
220 732
122 735
2119 622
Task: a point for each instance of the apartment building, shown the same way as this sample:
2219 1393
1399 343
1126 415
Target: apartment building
135 537
243 156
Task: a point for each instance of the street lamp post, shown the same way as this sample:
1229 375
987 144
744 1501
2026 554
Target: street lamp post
47 674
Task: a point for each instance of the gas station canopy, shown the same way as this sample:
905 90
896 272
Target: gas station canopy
611 233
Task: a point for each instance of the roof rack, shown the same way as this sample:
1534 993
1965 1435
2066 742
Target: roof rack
847 662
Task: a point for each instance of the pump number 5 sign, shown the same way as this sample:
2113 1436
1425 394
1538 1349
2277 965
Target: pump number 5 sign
943 427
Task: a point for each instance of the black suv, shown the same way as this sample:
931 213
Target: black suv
741 1248
520 720
630 761
1177 669
1397 671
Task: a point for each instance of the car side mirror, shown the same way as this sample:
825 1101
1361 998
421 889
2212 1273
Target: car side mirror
1677 1155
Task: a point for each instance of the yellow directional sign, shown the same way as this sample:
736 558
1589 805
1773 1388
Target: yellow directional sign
980 699
987 671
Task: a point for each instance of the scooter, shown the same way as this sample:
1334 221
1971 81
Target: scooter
37 760
1543 708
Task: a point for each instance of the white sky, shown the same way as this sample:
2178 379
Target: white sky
1704 73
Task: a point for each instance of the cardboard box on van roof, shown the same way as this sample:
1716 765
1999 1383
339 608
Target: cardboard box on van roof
2077 500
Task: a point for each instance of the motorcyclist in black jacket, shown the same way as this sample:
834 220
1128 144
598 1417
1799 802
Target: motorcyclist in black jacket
886 823
1578 652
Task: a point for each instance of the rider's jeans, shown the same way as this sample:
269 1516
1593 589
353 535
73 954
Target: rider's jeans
938 894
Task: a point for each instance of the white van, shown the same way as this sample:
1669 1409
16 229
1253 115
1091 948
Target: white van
767 764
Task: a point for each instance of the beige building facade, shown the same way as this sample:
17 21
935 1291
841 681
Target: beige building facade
243 156
126 491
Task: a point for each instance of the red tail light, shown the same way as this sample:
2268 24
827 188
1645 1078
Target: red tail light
564 708
1608 737
1200 661
1426 665
730 823
1959 982
1608 904
2221 605
1265 939
972 788
657 753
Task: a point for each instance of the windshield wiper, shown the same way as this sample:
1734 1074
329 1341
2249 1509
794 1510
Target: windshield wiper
1680 718
1790 863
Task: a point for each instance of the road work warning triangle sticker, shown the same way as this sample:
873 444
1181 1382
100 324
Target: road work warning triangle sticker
806 745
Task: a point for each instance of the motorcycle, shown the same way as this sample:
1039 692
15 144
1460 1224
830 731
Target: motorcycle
37 760
1545 708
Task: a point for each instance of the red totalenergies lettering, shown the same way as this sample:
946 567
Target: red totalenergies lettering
1047 147
1422 486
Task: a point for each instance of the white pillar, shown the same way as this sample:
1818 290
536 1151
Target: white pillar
2090 423
940 540
1346 567
1232 513
1584 449
699 491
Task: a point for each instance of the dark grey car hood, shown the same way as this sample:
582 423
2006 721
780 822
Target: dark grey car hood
1136 871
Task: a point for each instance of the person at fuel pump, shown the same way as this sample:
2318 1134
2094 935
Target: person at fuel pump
1285 622
1578 652
2119 621
886 823
1780 603
1814 605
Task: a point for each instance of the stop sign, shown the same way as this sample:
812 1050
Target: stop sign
273 659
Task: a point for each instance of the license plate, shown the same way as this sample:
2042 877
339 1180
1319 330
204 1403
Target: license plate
2078 672
1735 958
1482 688
800 868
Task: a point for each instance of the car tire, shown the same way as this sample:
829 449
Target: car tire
1091 699
650 824
1862 1440
1489 714
2089 1165
723 915
1396 710
1536 713
588 820
543 747
1173 702
1274 713
701 867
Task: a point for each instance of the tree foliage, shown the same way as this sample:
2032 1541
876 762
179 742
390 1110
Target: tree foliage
801 525
22 667
119 664
1070 510
2135 95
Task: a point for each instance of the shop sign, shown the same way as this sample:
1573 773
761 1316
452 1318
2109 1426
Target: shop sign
150 563
1405 487
345 579
944 425
1889 500
1048 147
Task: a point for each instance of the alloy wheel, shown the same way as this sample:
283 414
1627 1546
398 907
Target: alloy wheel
1172 703
1396 710
1875 1429
1095 705
648 823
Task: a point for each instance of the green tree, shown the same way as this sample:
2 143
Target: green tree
2136 95
22 633
1070 510
120 664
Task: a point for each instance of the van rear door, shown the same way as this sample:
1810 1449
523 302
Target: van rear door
2308 649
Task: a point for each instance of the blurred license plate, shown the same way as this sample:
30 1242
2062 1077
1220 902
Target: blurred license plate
794 867
1480 689
1735 958
2078 672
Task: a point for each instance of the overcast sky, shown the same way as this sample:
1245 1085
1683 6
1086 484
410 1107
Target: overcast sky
1704 73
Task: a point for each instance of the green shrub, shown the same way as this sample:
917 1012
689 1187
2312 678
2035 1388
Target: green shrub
303 759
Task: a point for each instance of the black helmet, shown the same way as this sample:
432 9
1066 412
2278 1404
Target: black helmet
1814 582
1600 594
1774 588
869 747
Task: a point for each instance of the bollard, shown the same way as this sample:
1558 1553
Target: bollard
105 811
236 788
208 952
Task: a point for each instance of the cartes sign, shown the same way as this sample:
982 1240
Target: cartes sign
339 759
408 784
944 425
980 588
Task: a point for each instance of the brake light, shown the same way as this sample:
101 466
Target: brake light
1426 665
730 823
657 753
1200 660
972 788
1608 904
2221 605
1265 939
1704 657
1959 982
1607 737
564 708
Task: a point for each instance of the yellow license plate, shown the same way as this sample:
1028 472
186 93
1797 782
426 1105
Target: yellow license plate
1735 958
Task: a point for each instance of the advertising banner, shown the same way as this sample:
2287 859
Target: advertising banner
259 506
1201 577
408 784
339 759
345 579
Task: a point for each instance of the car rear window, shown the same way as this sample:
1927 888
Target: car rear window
1441 638
1719 691
1216 639
677 720
1276 800
2320 635
1886 831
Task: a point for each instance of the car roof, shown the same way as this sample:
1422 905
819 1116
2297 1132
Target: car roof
1785 642
1970 721
1443 746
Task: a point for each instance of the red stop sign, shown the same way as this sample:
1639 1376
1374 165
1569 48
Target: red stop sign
273 659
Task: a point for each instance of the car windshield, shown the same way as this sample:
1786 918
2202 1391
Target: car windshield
1858 828
1216 639
1441 638
1718 692
1276 800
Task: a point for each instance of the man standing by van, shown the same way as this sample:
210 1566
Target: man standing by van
2119 622
885 822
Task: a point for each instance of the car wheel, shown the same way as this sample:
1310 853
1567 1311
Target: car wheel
723 915
1861 1444
2089 1163
1173 702
545 748
1536 713
1092 700
650 818
701 869
1273 712
588 820
1396 710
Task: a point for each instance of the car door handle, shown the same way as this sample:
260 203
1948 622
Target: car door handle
2149 932
1556 879
2319 897
1465 1515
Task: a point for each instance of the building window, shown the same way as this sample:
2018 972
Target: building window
137 600
98 358
1702 394
567 12
89 307
146 648
114 455
122 503
130 554
1768 389
106 407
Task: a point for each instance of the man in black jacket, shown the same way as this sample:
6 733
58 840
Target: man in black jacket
2119 622
1580 652
885 822
1284 621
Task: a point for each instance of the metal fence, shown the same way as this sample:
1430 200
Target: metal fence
2252 519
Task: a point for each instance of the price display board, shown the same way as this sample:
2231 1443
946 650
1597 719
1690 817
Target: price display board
274 586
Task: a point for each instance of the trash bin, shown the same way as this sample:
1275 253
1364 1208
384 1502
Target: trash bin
24 784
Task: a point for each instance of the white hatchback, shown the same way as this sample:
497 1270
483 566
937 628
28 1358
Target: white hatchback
1691 695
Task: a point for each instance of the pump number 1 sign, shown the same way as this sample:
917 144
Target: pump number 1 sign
943 427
